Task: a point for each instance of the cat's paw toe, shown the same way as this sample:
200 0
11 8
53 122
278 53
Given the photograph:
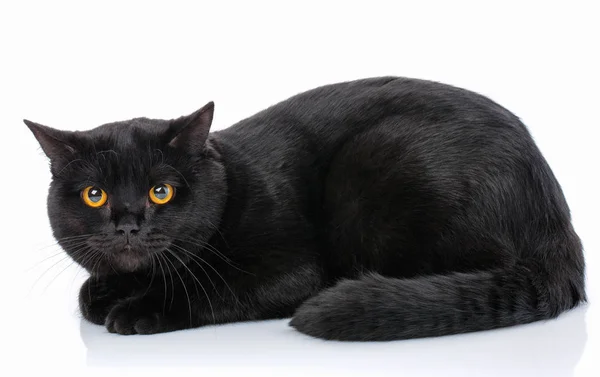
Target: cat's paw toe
150 324
128 319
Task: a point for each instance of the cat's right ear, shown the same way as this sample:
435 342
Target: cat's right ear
54 143
190 132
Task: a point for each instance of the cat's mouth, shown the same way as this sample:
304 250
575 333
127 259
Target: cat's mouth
134 256
125 257
110 256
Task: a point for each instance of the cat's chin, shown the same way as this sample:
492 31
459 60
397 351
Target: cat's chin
128 261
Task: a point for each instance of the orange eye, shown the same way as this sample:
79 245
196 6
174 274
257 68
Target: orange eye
94 196
161 194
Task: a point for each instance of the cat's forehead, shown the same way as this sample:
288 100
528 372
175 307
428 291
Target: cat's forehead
130 134
124 152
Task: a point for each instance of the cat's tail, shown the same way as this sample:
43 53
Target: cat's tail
374 307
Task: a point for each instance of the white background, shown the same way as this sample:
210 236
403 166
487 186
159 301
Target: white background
76 66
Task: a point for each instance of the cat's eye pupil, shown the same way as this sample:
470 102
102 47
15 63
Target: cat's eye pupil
161 192
95 194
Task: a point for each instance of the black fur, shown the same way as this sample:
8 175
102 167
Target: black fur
377 209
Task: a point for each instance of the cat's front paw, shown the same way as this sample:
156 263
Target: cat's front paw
136 316
96 298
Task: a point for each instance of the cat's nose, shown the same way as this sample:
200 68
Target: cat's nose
127 229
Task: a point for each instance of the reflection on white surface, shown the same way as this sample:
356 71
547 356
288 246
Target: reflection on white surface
551 348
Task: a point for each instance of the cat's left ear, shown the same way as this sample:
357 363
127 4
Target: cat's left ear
190 132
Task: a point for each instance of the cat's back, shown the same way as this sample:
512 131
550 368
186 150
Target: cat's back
324 118
333 111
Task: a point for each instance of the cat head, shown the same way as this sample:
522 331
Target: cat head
124 192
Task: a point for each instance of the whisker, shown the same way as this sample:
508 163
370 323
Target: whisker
198 281
76 274
211 248
88 257
151 275
73 242
82 243
178 172
216 228
112 267
55 277
164 280
209 265
43 260
66 239
184 288
164 257
45 272
203 243
191 256
74 253
70 162
95 262
75 237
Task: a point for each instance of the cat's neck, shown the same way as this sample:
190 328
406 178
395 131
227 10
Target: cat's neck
241 184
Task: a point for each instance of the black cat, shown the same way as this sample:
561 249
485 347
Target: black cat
377 209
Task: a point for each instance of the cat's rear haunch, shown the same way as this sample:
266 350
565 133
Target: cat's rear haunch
377 209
